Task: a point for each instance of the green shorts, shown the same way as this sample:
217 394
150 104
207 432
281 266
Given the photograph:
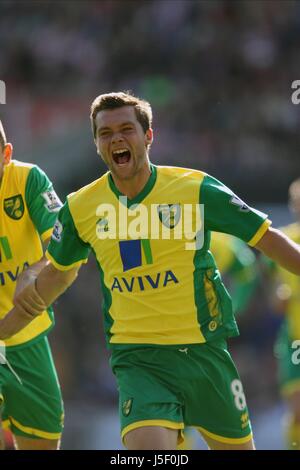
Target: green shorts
31 398
176 386
288 368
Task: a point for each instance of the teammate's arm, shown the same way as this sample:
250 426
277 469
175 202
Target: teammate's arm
52 282
281 249
36 297
29 275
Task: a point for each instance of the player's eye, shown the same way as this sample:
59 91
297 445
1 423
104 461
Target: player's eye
104 134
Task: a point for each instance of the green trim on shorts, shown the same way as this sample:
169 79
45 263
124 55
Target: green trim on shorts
34 407
196 386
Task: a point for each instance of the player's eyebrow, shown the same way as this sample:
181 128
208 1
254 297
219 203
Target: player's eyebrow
104 128
126 123
123 124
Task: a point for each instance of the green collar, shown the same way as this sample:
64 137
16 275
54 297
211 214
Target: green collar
144 192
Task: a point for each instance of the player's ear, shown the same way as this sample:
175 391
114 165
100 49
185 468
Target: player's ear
149 136
7 152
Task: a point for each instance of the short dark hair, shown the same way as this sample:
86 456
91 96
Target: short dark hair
113 100
3 141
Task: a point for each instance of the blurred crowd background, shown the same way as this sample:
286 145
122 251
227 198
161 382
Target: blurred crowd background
218 74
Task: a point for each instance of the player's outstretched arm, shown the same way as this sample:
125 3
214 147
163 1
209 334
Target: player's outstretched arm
281 249
35 298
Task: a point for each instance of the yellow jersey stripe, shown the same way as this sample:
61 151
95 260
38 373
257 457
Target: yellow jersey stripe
61 267
47 234
260 232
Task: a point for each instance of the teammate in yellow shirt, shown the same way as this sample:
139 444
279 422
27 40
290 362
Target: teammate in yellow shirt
167 314
30 398
287 348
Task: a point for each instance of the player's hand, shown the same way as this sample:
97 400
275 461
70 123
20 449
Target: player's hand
29 301
23 281
28 276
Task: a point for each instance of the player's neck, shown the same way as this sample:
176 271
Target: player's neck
133 186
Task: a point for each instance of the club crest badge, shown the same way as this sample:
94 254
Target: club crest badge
14 207
169 214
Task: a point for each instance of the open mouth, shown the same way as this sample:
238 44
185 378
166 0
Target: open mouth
121 156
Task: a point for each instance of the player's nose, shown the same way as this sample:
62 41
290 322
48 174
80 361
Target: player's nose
117 137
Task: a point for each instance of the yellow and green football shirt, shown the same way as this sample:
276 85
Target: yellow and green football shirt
29 208
155 290
292 284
